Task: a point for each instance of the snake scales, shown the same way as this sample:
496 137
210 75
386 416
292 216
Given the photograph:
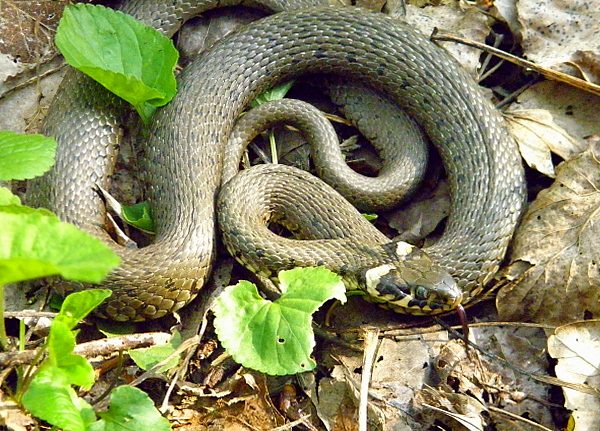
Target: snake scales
185 149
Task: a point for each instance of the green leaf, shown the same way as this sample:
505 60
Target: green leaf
7 198
132 60
34 243
138 215
149 357
74 368
130 409
370 217
79 304
51 398
50 395
275 337
113 328
275 93
25 156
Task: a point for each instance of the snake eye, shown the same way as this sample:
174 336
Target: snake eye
421 293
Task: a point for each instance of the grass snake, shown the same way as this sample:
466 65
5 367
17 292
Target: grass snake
187 146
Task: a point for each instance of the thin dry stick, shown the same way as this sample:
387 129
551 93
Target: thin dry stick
184 365
548 73
518 418
371 346
103 347
291 425
32 80
187 344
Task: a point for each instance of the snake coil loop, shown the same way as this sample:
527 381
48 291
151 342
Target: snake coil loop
186 145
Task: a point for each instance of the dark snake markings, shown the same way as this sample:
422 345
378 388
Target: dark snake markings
187 142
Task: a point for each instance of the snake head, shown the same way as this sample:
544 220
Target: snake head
414 284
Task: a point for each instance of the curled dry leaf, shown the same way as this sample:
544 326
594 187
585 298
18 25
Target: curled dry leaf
538 136
572 109
577 348
554 261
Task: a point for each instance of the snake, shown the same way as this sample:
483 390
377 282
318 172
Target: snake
187 145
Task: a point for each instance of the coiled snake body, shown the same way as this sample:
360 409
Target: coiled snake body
186 149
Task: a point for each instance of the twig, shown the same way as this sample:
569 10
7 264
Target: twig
371 346
189 343
27 314
184 364
518 418
548 73
33 80
302 420
113 382
103 347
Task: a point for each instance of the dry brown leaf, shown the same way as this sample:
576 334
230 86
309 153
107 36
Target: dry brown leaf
399 371
422 215
26 46
373 5
587 64
464 409
511 391
27 28
553 30
470 23
538 136
554 258
12 417
572 109
577 348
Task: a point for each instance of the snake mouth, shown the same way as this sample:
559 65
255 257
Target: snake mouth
438 299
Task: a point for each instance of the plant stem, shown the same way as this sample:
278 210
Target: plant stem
273 145
22 334
3 337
